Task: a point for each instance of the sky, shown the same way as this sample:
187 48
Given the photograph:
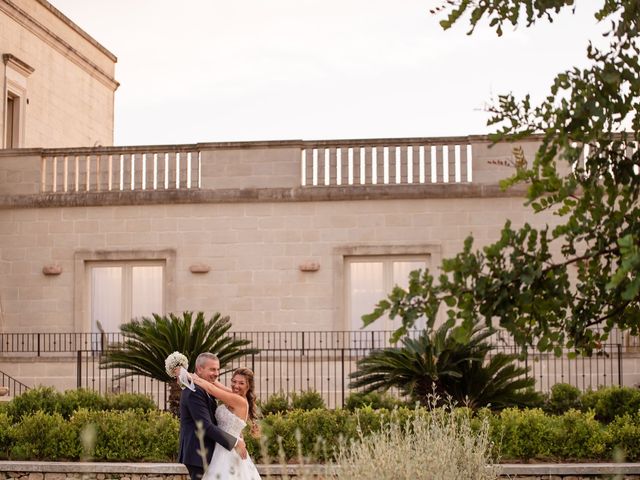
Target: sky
244 70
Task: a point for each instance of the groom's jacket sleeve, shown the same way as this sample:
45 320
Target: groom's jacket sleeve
199 409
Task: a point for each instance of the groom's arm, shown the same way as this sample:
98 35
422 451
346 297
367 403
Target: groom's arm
199 410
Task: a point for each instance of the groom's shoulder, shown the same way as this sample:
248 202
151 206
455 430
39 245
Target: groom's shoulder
197 393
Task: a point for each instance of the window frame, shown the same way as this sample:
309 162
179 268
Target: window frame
388 283
16 73
84 260
342 321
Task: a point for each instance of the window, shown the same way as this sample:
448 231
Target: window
121 291
11 140
369 279
14 98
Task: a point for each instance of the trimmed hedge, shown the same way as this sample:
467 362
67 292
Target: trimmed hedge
136 435
79 425
282 403
48 400
109 436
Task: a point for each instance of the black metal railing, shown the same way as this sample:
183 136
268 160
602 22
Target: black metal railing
326 369
46 344
297 361
15 387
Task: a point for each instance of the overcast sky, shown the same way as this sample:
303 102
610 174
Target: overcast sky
228 70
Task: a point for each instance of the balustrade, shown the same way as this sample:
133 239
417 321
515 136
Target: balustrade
118 171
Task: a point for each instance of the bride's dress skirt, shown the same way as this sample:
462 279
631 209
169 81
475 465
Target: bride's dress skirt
225 464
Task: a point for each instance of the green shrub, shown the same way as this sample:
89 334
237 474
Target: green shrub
130 401
130 435
522 434
72 400
276 403
5 436
44 399
563 397
578 435
44 436
374 400
367 420
162 433
308 400
624 433
312 434
611 402
253 443
48 400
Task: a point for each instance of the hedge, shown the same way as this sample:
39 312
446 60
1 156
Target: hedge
44 425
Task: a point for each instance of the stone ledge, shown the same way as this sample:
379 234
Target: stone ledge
93 467
257 195
536 469
564 469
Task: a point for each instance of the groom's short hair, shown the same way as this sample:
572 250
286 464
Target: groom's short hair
204 357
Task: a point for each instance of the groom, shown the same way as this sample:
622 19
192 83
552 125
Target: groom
198 406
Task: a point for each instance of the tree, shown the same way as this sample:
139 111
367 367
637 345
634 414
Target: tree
438 365
575 298
149 341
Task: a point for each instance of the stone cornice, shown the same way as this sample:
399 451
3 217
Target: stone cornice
17 64
78 30
254 144
258 195
42 32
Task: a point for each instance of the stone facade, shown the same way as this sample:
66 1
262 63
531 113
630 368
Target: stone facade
260 231
254 235
62 80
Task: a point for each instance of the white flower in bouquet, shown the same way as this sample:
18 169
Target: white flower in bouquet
173 361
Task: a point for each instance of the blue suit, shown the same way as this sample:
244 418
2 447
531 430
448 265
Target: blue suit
199 406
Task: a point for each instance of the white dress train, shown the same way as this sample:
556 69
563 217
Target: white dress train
227 464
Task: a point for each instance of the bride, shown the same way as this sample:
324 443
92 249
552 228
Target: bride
239 407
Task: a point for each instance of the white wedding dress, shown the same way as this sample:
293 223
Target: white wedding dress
227 464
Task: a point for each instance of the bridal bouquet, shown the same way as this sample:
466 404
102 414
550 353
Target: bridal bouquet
173 361
178 361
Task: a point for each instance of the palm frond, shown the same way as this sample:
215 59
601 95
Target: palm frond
149 340
436 362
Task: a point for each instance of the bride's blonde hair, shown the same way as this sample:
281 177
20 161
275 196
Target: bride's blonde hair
247 373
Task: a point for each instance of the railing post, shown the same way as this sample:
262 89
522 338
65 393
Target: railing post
79 370
342 358
619 347
38 341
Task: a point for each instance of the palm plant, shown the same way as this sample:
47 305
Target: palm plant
495 382
440 364
148 342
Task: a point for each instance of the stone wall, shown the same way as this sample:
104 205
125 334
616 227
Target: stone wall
141 471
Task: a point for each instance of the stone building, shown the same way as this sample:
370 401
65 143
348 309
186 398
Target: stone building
57 82
284 236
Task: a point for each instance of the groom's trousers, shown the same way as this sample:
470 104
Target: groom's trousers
195 472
